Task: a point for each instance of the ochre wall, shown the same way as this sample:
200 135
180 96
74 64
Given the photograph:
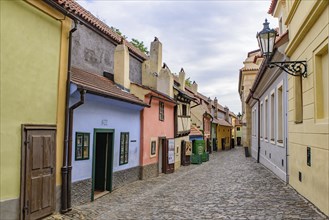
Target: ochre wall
308 34
33 74
223 132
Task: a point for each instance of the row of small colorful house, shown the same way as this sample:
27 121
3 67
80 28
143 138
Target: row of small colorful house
94 112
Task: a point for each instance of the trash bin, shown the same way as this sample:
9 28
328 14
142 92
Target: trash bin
196 159
246 151
205 157
198 147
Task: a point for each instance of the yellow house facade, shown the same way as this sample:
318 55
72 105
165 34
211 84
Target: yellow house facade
34 54
223 134
308 108
247 77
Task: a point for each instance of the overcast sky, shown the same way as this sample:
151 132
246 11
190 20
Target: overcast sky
209 39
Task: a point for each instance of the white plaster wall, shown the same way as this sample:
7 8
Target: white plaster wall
120 116
272 153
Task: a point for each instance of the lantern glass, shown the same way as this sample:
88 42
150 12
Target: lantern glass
266 39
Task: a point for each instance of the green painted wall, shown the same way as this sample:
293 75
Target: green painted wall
30 49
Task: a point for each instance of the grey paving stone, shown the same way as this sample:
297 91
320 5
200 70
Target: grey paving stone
229 186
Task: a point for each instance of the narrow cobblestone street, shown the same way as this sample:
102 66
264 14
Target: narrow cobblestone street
229 186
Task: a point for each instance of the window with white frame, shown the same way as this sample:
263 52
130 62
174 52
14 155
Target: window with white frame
266 119
280 114
272 123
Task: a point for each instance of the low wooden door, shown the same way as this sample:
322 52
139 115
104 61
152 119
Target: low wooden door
38 166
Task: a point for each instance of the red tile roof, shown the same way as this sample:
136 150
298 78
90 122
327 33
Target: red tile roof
272 7
195 131
100 85
165 96
73 7
222 122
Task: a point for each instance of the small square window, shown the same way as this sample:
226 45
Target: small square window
82 145
153 148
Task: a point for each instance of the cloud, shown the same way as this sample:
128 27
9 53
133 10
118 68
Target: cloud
209 39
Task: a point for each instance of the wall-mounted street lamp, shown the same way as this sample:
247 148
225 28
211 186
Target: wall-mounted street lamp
266 41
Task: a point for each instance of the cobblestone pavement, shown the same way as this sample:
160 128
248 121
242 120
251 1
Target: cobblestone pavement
229 186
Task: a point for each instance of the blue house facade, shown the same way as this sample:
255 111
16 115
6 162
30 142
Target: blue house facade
105 136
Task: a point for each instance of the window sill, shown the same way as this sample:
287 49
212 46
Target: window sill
279 144
82 159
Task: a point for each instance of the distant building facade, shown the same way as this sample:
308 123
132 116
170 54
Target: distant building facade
247 77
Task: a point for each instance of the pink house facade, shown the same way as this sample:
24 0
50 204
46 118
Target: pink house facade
157 126
157 121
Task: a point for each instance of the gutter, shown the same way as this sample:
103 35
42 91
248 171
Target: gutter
160 98
204 115
69 176
65 169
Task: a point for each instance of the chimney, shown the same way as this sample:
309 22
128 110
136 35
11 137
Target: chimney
209 104
227 114
165 81
216 107
181 79
121 66
156 56
152 66
194 87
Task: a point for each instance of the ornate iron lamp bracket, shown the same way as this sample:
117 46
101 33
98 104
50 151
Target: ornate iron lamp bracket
294 68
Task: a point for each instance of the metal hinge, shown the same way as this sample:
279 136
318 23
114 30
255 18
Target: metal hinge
27 141
26 208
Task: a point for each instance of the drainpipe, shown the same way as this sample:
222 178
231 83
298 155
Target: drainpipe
258 124
64 170
204 115
211 137
69 170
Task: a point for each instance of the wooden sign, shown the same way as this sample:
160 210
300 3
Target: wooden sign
188 148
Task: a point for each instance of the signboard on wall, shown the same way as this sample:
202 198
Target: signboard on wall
188 148
171 151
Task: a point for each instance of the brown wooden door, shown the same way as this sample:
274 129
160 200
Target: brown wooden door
39 178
